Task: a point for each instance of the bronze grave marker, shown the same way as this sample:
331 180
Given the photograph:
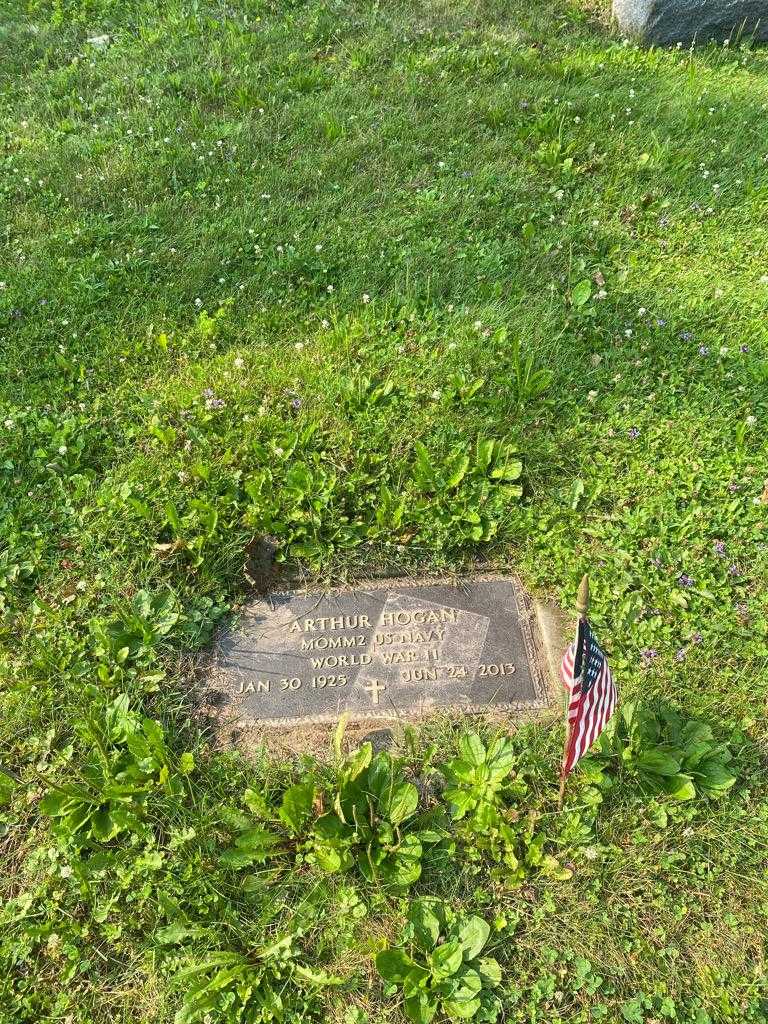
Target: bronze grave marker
387 649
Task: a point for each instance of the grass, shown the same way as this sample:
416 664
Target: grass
253 255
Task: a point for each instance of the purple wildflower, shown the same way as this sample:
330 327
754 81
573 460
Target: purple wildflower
296 403
680 654
696 638
733 487
703 350
686 335
733 570
211 401
649 654
657 562
686 581
660 322
633 432
719 547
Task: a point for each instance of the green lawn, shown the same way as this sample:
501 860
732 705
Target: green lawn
286 267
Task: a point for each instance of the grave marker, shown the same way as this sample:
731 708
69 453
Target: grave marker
386 649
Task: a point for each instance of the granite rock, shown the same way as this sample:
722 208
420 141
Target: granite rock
667 22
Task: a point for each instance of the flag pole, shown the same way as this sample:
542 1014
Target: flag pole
582 607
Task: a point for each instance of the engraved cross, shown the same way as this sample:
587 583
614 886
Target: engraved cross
373 688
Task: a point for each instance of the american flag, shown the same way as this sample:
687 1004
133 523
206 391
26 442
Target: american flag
593 695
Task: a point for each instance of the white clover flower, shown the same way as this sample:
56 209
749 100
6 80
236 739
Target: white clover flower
62 449
198 303
239 363
591 396
436 396
329 289
366 298
324 324
299 345
723 350
751 421
8 424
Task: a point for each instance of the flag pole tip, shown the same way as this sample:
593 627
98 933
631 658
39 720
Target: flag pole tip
582 601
